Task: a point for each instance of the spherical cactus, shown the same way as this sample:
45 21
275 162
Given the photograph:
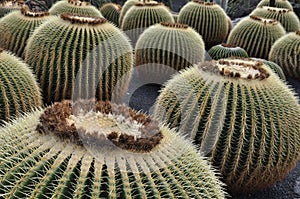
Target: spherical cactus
165 48
111 152
111 12
208 19
274 67
241 115
16 27
256 35
278 3
82 57
8 6
286 17
286 53
142 15
19 91
127 5
226 50
76 7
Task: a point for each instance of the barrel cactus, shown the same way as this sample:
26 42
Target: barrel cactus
127 5
142 15
165 48
19 91
241 115
82 57
278 3
110 152
288 19
286 53
8 6
76 7
111 12
208 19
256 35
226 50
273 66
16 27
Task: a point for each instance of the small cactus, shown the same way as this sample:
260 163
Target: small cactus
142 15
286 53
110 152
19 91
226 50
278 3
286 17
241 115
76 7
165 48
208 19
81 57
256 35
16 27
8 6
111 12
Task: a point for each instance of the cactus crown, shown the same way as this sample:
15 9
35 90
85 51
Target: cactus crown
298 32
79 3
174 25
277 10
205 3
11 4
265 21
28 13
229 45
100 121
149 4
82 19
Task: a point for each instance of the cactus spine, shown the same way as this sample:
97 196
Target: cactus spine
19 91
226 50
111 12
286 53
82 57
241 115
16 27
278 3
208 19
103 163
76 7
165 48
256 35
286 17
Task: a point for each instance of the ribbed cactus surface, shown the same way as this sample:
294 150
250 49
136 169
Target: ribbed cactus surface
16 28
288 19
278 3
19 91
241 115
81 57
226 50
111 12
127 5
208 19
8 6
142 15
166 48
76 7
256 35
46 161
286 53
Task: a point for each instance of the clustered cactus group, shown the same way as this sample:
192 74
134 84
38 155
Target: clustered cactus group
222 121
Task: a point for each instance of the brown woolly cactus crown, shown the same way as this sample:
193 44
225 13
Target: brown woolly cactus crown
264 20
82 19
174 25
28 13
204 3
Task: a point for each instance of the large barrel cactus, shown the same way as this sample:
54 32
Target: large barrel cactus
76 7
19 91
208 19
256 35
127 5
82 57
142 15
278 3
286 17
286 53
165 48
241 115
16 28
110 152
111 12
226 50
8 6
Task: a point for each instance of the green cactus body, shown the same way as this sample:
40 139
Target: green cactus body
82 57
8 6
278 3
47 161
274 67
286 53
19 91
98 3
241 115
16 27
111 12
208 19
226 50
127 5
166 48
286 17
256 35
76 7
142 15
